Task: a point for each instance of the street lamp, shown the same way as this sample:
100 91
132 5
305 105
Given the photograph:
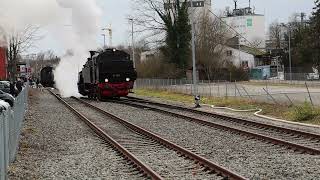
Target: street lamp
133 50
290 59
194 71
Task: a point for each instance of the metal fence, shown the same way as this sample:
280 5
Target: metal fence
260 91
10 127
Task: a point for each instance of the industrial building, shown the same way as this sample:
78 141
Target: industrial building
247 25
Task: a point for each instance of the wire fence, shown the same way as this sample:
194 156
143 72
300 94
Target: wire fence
260 91
10 127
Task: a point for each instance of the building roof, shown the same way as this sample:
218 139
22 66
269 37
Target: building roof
249 50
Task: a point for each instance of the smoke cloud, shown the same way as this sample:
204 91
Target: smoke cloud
73 23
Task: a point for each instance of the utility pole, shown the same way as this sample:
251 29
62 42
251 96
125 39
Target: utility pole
132 40
290 60
194 72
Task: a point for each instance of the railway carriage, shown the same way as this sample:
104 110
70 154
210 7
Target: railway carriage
47 76
107 74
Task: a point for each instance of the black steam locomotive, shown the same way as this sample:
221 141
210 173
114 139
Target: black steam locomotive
107 74
47 77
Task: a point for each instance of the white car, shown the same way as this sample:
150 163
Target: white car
313 76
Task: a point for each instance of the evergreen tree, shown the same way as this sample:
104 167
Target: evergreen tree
178 34
315 33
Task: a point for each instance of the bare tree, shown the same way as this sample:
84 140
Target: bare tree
275 34
19 42
43 59
211 40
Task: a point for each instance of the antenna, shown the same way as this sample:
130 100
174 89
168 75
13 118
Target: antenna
235 4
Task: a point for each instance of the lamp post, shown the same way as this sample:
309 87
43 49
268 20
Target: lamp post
133 50
194 68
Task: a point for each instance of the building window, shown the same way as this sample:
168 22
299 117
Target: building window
244 64
229 53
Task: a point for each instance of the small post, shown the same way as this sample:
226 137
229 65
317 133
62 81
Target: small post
270 96
238 90
289 99
235 88
226 90
247 92
309 93
219 88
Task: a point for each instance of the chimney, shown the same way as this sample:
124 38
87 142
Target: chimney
92 53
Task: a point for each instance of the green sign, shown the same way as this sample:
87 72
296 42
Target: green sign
249 22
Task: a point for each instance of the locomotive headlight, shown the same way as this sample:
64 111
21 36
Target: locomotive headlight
127 79
106 80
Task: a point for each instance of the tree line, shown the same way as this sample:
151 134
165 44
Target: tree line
304 37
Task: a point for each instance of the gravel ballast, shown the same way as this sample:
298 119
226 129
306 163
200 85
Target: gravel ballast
250 158
165 161
55 144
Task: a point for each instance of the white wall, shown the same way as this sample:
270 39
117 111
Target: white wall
252 27
243 57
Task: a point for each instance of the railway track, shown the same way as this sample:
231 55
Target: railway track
153 156
300 141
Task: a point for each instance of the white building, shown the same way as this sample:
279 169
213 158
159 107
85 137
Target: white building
247 24
240 58
148 55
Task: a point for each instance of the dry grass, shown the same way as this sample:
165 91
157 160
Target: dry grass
277 111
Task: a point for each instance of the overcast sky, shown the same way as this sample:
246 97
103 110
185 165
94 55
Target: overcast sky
115 12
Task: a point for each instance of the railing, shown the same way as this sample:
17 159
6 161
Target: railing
10 127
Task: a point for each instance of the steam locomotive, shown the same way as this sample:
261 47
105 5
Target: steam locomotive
47 77
107 74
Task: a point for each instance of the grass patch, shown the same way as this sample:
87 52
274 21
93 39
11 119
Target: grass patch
303 113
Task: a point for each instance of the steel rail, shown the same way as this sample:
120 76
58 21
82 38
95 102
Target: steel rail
240 120
201 160
289 145
139 165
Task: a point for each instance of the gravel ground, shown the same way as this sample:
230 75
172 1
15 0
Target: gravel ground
302 140
250 158
56 145
165 161
244 115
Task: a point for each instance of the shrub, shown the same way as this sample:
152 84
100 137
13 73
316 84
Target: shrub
304 112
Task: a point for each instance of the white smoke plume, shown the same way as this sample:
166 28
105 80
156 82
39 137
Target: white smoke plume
82 18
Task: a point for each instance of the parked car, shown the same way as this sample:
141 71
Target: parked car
5 86
7 98
313 76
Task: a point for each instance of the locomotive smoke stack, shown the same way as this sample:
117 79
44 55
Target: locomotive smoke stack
92 53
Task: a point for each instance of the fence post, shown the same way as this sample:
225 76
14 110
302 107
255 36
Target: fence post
235 88
226 90
218 88
309 93
210 88
238 90
270 96
246 92
289 99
